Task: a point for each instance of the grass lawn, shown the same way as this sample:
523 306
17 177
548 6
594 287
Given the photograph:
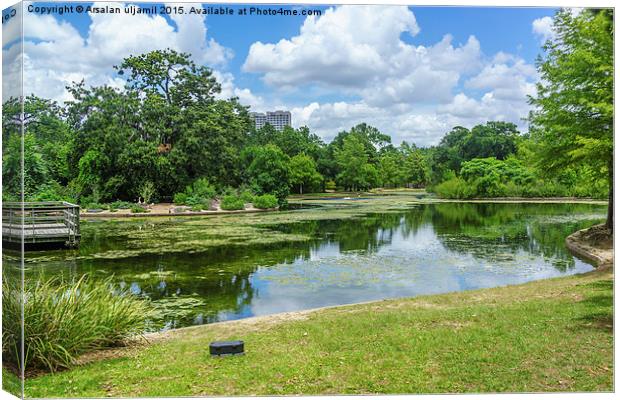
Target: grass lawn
11 383
550 335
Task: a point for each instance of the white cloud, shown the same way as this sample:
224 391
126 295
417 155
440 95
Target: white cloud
505 82
359 50
344 46
420 125
12 58
412 92
56 55
543 28
509 75
229 89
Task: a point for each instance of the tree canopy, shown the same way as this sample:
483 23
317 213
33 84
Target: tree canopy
573 118
168 134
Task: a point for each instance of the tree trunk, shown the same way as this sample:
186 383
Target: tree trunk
301 188
610 206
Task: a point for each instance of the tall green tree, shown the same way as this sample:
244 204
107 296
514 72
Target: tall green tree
573 119
352 159
415 167
303 173
390 169
267 170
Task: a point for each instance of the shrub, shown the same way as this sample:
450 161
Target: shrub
232 203
330 185
201 188
199 193
227 191
488 185
455 188
135 208
247 196
198 207
52 191
63 320
180 198
265 201
514 190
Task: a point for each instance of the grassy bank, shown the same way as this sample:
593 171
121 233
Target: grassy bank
11 382
549 335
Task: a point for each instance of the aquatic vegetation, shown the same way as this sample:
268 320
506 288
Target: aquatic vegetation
229 266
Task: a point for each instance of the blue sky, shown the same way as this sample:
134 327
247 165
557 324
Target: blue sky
412 72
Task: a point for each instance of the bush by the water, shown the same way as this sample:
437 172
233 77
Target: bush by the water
490 186
198 193
232 202
489 177
135 208
455 188
265 201
63 320
247 196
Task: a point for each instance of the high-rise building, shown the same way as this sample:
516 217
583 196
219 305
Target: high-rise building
278 119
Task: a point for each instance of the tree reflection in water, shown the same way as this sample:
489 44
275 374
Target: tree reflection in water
424 249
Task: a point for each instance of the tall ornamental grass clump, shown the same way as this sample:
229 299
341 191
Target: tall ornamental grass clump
63 320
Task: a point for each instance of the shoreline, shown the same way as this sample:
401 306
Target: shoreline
432 328
507 200
602 258
524 200
184 214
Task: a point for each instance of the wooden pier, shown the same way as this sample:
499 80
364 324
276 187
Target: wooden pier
54 222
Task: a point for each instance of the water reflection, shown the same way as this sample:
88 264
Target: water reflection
431 248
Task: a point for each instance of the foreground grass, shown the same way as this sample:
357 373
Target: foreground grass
550 335
11 383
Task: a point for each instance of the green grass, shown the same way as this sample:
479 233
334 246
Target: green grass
11 383
549 335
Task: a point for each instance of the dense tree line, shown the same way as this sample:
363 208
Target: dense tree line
166 136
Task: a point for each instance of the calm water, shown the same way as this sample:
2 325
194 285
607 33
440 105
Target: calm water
192 277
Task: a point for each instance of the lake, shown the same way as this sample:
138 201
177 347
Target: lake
197 270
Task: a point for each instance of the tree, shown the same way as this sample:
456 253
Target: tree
390 169
415 167
573 119
494 139
370 137
268 170
165 126
47 143
303 172
351 160
35 172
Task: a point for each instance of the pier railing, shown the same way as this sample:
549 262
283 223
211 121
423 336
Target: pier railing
41 222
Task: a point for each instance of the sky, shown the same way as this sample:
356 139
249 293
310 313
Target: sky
412 72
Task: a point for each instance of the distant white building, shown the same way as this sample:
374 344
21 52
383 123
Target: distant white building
278 119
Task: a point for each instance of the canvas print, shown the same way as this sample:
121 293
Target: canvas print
288 199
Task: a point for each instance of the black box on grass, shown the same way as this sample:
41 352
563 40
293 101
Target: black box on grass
232 348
